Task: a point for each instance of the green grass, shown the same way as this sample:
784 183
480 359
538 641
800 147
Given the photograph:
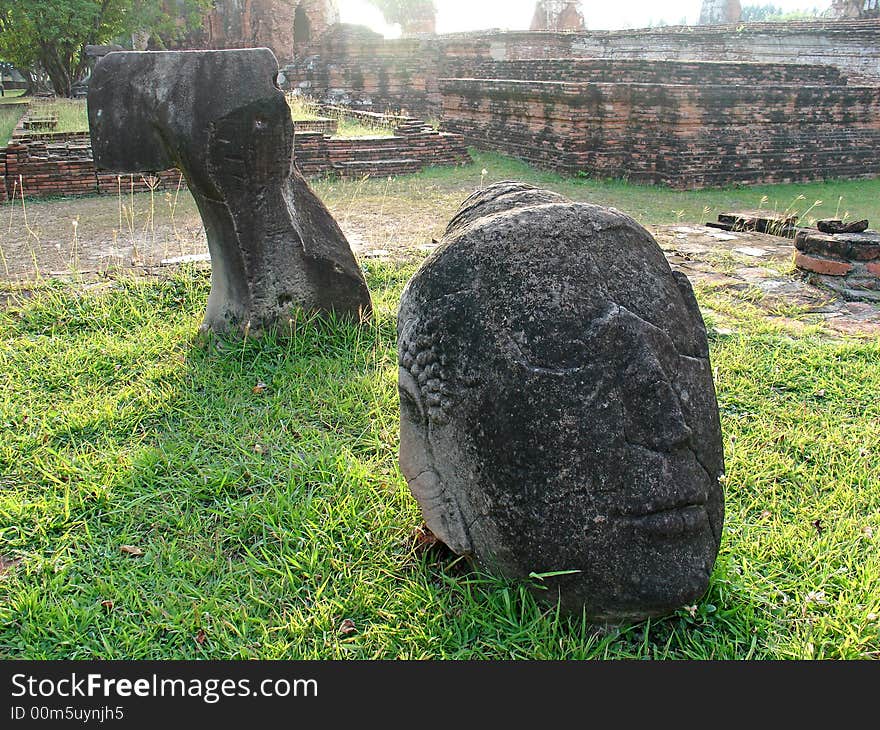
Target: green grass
854 199
10 114
303 109
13 96
260 480
72 114
349 128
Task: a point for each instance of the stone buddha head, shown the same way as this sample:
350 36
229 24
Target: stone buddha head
558 413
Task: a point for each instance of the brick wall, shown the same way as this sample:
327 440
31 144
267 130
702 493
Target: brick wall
604 70
408 151
355 66
47 167
679 134
358 68
853 46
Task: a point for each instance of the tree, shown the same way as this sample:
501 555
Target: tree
405 11
771 13
50 35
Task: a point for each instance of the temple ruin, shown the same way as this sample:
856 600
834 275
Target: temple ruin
712 104
558 15
855 9
713 12
287 27
422 21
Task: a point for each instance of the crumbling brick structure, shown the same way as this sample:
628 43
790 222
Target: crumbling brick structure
423 20
713 12
847 263
855 9
686 124
558 15
356 66
288 27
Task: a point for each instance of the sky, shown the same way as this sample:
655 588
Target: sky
461 15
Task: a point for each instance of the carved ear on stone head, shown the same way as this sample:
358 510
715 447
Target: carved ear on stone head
693 308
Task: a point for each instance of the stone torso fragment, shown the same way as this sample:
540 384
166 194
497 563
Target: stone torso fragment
218 116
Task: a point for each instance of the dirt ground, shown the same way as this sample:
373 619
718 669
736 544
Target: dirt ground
93 237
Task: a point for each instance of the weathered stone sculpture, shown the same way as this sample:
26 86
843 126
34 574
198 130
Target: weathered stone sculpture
558 412
218 116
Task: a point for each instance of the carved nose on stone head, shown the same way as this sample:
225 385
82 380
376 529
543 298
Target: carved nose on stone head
653 415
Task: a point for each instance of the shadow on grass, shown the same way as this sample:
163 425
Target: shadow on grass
175 496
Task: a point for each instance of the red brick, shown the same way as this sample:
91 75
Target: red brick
829 267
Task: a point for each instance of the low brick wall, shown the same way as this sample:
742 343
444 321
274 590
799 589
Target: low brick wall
322 125
112 184
58 165
408 151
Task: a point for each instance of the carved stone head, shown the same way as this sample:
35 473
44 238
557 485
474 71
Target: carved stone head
558 413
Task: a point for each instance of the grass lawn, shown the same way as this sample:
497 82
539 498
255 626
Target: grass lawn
167 496
72 115
302 109
10 114
850 199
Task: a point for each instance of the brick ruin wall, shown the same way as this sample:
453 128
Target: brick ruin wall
409 150
269 23
739 124
688 107
51 165
355 66
245 24
358 68
853 46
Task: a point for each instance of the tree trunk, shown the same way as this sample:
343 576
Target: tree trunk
58 76
31 81
57 66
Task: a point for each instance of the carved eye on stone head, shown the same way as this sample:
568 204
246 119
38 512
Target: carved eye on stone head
547 356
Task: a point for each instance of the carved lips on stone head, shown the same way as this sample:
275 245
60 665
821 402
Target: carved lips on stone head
558 413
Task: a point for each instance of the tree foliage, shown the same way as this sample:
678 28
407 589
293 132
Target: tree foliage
404 11
771 13
50 35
